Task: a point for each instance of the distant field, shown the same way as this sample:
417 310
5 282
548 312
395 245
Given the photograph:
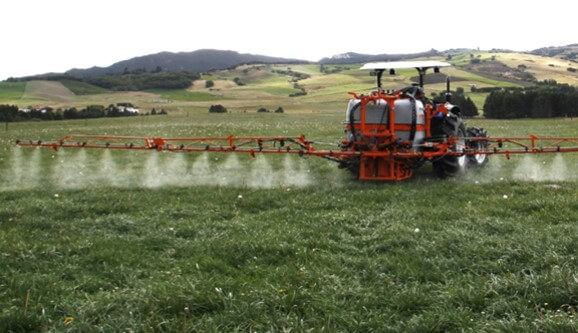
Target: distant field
184 95
148 241
81 88
542 68
48 91
11 92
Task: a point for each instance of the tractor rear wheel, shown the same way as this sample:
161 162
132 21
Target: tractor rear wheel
477 159
450 165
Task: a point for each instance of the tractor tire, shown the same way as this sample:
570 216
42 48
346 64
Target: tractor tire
450 166
352 166
477 160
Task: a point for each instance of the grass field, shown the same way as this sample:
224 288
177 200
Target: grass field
11 91
82 88
184 95
147 241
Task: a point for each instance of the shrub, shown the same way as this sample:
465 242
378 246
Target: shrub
262 110
279 110
209 84
218 108
301 93
8 112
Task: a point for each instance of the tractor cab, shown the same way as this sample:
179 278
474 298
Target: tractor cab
416 90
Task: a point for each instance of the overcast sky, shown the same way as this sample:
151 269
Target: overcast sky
41 36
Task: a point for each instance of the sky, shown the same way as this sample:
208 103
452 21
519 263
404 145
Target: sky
40 36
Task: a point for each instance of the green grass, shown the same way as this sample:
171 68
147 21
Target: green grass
337 255
281 91
189 96
82 88
11 91
478 99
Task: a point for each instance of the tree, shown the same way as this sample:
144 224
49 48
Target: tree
261 110
158 69
209 84
92 111
8 113
218 108
71 113
153 112
546 99
238 81
113 111
466 105
542 107
279 110
469 108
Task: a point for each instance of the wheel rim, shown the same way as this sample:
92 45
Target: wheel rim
460 146
480 158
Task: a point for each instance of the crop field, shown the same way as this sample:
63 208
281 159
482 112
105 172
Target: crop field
148 241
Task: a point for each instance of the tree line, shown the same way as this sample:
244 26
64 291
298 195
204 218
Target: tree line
11 113
218 108
132 81
546 99
458 97
135 80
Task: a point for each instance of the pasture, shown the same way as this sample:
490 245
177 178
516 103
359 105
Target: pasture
148 241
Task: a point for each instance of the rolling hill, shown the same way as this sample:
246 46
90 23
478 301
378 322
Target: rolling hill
196 61
568 52
356 58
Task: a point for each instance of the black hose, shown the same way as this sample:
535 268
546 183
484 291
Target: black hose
352 118
413 119
385 110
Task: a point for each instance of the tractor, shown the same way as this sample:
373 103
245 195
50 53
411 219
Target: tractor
398 131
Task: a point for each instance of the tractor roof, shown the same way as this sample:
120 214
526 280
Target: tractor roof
404 64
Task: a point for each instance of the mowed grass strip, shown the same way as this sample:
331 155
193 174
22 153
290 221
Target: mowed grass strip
83 88
10 92
185 95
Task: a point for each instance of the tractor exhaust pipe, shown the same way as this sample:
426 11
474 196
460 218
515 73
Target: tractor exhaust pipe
448 93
